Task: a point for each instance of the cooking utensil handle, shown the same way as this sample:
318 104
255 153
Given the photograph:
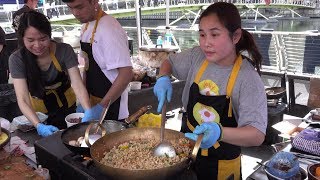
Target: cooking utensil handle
104 112
163 121
136 115
196 148
87 132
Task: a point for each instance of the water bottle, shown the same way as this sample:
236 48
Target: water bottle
168 38
159 41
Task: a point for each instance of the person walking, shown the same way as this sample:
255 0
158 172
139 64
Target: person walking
28 6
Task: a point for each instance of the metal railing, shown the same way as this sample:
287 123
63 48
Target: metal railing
116 5
291 52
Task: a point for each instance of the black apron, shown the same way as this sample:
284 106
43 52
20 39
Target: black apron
59 99
222 160
96 82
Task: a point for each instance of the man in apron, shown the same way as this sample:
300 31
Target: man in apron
108 68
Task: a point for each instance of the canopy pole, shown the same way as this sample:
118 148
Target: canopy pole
167 12
138 22
18 5
44 6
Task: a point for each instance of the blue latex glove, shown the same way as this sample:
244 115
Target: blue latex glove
79 109
162 89
92 114
46 130
211 131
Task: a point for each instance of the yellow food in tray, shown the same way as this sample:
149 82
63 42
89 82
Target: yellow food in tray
3 137
149 120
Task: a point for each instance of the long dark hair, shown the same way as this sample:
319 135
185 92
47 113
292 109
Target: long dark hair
229 16
40 22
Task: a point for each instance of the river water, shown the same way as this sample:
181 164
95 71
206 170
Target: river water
189 38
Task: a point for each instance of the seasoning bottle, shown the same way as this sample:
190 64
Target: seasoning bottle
159 42
43 172
167 37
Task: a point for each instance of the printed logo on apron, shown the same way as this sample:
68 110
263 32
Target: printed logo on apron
203 113
208 88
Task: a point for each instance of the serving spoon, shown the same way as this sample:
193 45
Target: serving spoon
164 148
90 138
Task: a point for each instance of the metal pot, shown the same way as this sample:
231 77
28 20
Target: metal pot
78 130
275 92
106 143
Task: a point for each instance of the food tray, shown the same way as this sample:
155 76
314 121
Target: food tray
22 123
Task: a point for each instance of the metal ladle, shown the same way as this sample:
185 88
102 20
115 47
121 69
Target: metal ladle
97 127
164 148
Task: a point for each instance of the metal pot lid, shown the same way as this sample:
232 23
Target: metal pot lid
159 49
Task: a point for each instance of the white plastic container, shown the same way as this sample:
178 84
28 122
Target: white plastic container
73 116
22 123
135 85
43 172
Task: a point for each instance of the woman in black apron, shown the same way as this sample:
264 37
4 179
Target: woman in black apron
215 82
42 82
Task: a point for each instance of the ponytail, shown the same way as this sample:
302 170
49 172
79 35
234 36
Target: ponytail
248 44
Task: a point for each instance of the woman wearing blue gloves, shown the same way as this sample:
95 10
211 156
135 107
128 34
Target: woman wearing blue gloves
43 71
224 95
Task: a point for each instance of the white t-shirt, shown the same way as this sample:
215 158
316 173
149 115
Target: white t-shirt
111 51
249 100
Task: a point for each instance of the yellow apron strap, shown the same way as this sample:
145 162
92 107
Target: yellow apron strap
227 168
49 91
100 14
38 104
232 80
202 68
55 61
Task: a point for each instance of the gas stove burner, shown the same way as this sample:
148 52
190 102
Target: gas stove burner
82 165
84 160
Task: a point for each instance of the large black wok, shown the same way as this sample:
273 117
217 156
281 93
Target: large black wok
106 143
75 131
